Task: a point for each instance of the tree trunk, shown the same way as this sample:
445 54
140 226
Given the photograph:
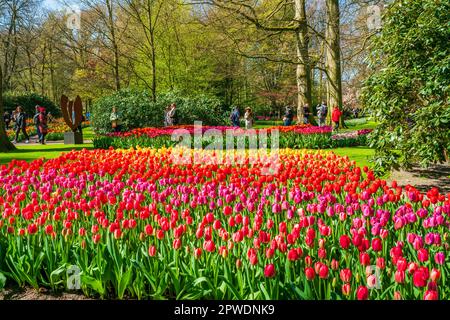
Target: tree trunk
333 57
114 44
5 144
153 48
303 64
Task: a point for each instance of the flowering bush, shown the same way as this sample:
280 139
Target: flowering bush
138 224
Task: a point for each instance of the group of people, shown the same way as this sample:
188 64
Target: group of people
288 117
248 118
19 118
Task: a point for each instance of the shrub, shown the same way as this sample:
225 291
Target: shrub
29 101
137 110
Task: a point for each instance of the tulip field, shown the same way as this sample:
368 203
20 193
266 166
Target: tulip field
138 224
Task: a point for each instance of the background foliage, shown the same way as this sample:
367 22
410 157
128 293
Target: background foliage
137 110
408 93
29 101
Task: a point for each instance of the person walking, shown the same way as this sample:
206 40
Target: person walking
234 117
43 127
21 125
322 111
248 117
172 117
288 116
306 113
335 117
6 120
36 122
115 120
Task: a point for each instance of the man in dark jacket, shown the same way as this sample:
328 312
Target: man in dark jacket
21 125
288 116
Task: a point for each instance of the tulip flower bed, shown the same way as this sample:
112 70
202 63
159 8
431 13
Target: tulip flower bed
296 137
138 224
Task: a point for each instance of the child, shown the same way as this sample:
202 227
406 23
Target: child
335 117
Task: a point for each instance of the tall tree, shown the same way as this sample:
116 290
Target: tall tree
303 63
5 144
333 56
262 15
146 15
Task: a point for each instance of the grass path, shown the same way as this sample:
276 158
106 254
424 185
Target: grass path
32 152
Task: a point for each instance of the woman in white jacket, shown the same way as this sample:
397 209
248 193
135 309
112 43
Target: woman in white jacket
248 118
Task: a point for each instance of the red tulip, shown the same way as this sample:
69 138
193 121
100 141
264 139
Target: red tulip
293 255
346 275
32 228
334 264
362 293
117 234
420 277
435 275
148 230
82 232
431 295
364 258
152 251
344 241
412 267
310 274
160 234
399 276
422 255
96 238
401 264
323 271
227 210
253 260
397 295
308 261
381 263
377 245
346 289
269 271
176 244
49 229
322 253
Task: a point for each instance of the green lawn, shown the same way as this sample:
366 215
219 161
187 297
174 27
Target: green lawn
360 155
88 134
32 152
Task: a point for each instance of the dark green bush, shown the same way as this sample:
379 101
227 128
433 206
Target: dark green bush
29 101
137 110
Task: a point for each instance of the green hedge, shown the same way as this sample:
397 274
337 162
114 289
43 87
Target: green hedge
29 101
137 110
